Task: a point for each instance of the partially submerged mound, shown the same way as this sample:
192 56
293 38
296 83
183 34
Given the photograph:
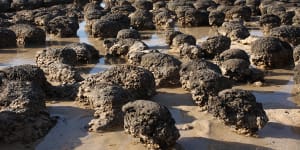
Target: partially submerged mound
58 65
189 68
206 83
239 109
85 53
232 54
23 114
234 30
271 52
107 100
215 45
150 122
290 34
29 35
164 67
139 82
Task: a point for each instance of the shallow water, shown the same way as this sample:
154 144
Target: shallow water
206 132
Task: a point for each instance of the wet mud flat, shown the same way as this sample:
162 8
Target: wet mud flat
198 129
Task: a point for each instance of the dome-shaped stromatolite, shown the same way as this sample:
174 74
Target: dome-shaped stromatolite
85 53
63 26
189 68
233 54
23 114
164 67
29 35
215 45
236 69
239 109
234 30
150 122
216 18
290 34
107 101
139 82
270 52
128 33
206 83
269 21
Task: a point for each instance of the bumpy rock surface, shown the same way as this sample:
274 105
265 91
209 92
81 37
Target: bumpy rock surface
181 39
216 18
107 101
236 69
206 83
164 67
190 17
191 51
234 30
233 54
128 33
191 67
163 20
239 12
296 54
150 122
239 109
121 47
139 82
142 20
290 34
85 53
57 63
10 39
23 114
29 34
270 52
63 26
269 21
215 45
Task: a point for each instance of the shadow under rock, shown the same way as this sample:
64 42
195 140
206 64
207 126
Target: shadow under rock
70 127
278 130
199 143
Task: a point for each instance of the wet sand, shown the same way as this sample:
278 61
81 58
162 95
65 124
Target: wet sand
199 130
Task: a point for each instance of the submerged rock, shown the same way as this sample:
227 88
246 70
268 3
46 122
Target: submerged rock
151 123
239 109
